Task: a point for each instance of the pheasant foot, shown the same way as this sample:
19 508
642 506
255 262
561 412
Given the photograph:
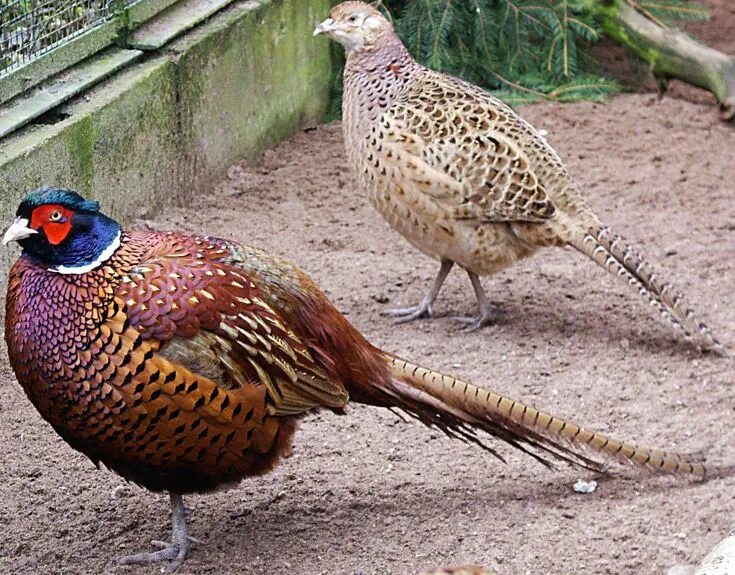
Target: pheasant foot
410 313
473 323
485 308
425 308
175 550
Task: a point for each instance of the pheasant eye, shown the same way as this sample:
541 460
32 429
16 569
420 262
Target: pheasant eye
53 220
352 19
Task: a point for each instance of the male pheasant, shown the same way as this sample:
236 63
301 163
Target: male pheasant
184 362
463 177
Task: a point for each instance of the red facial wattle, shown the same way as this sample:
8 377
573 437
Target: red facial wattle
54 220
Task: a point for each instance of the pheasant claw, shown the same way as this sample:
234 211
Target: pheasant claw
406 314
175 551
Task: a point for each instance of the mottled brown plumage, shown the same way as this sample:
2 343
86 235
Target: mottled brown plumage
184 362
462 177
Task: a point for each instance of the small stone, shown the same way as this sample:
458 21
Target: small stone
585 486
119 491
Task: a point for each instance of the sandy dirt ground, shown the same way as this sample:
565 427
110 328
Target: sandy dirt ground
367 493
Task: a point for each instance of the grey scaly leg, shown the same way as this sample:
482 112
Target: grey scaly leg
177 549
424 309
484 306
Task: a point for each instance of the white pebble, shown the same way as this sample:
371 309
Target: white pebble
584 486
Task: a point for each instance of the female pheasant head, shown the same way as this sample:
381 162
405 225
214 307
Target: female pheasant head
63 231
355 25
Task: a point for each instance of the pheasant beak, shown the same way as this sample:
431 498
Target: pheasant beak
325 27
18 231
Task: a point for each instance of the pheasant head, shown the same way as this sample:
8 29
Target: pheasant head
62 231
356 25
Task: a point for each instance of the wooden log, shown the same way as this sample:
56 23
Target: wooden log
670 52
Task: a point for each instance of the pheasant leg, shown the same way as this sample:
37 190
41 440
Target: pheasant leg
177 549
485 308
425 308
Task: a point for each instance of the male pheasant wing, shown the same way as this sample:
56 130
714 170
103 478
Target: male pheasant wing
450 144
212 316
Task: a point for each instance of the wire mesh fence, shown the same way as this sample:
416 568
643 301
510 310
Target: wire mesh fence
29 28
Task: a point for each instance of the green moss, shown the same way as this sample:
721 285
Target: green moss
80 147
256 75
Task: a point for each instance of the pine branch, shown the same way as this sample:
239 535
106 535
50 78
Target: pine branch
524 50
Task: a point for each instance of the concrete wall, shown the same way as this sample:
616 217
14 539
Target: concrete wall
169 126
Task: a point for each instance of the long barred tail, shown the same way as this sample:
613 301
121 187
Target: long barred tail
459 407
612 253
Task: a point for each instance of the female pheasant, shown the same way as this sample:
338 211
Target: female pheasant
464 178
184 362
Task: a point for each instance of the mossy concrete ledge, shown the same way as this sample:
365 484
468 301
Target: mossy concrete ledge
168 126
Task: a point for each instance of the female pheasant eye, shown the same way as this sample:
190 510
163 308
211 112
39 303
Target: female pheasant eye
352 19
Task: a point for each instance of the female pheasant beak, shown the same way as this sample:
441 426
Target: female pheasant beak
325 27
18 231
